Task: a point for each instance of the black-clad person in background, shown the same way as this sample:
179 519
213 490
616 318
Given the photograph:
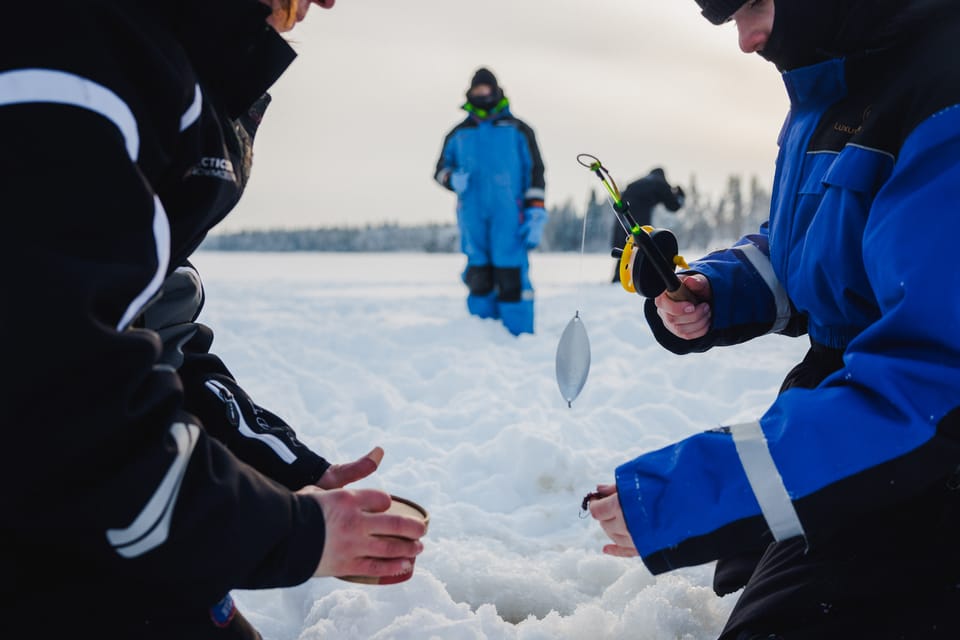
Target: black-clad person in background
643 195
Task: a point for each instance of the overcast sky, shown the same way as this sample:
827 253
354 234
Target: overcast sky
357 122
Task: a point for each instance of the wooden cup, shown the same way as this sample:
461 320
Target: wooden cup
403 507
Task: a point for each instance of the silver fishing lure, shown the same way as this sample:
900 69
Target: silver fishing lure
573 359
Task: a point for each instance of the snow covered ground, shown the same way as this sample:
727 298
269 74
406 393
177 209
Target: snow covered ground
357 350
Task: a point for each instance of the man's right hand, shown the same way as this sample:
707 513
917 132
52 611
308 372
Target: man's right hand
684 319
607 511
361 540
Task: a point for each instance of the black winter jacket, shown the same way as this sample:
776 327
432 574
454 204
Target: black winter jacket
126 128
643 195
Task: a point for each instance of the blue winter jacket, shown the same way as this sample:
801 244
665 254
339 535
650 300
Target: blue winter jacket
859 253
506 176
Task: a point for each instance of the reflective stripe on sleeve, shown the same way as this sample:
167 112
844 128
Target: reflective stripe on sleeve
25 86
535 193
152 525
765 480
762 264
192 114
59 87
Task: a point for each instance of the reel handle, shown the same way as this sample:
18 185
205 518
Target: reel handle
682 294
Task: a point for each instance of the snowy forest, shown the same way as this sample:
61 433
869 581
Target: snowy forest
702 222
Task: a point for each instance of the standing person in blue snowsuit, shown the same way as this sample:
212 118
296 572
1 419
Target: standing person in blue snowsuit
492 162
838 507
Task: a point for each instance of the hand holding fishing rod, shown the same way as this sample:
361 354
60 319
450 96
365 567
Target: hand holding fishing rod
644 269
644 265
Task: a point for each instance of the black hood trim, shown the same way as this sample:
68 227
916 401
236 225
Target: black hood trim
235 53
807 32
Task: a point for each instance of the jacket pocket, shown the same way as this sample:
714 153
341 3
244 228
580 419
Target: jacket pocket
859 169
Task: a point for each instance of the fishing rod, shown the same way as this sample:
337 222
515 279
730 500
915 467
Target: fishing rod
652 272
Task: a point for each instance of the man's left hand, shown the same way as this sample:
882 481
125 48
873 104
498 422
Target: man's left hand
338 476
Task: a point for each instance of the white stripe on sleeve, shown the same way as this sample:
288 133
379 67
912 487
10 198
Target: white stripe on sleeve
765 480
535 193
161 238
762 264
59 87
276 444
193 111
152 525
25 86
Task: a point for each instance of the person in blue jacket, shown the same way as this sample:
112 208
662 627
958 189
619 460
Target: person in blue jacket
838 507
492 162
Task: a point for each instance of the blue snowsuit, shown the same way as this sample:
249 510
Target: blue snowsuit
854 480
500 155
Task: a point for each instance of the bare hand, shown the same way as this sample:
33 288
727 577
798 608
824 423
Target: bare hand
287 13
607 512
340 475
685 319
361 540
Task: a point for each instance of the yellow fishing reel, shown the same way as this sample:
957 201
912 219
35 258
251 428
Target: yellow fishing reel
626 265
636 272
650 270
627 259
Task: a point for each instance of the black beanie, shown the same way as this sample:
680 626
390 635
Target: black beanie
719 11
488 102
484 76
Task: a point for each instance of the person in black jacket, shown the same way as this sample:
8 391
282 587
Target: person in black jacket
643 195
141 483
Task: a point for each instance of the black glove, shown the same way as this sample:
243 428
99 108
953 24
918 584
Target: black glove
679 195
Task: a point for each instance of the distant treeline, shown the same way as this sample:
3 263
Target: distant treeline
701 222
432 238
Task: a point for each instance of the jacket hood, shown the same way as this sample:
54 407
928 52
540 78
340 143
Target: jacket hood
807 32
235 53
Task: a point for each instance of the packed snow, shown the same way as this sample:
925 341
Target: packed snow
358 350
